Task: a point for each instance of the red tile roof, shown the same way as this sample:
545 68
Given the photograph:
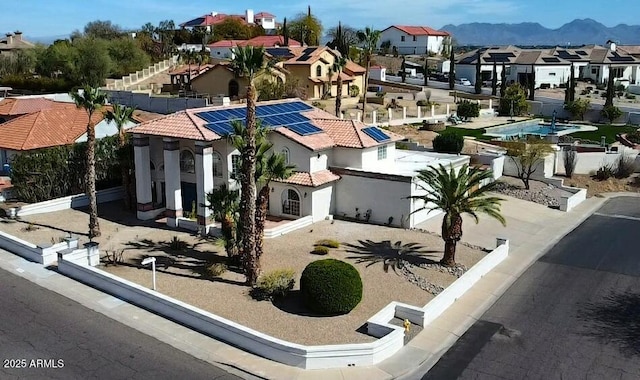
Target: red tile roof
181 124
59 125
348 133
420 30
266 41
314 179
208 19
264 15
353 68
226 43
22 106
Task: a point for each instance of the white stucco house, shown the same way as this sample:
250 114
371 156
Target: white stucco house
414 39
552 67
343 167
208 21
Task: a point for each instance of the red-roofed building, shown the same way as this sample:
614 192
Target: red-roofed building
222 49
414 39
342 167
208 21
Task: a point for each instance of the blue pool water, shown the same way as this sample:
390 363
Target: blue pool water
533 127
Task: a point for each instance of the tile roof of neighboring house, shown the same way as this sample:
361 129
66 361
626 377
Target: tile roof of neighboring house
266 41
314 179
142 116
419 30
336 132
630 49
349 134
264 15
22 106
60 125
225 43
17 42
308 55
353 68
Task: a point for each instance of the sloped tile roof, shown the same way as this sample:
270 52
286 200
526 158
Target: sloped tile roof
315 142
314 179
60 125
22 106
349 134
183 125
420 30
354 68
264 15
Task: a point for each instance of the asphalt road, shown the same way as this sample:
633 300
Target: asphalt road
574 314
75 342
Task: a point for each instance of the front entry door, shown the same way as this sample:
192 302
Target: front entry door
189 195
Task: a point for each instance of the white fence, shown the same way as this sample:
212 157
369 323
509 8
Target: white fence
133 79
291 226
307 357
72 201
568 202
45 254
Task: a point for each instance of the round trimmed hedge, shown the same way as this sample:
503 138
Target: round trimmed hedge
331 287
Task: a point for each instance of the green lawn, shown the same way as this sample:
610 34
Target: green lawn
477 133
609 131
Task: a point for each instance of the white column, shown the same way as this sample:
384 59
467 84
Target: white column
342 115
433 110
358 116
374 115
204 181
404 113
490 103
419 111
143 176
172 180
448 109
390 114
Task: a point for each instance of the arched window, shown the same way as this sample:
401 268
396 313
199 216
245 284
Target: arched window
234 88
187 162
319 71
285 153
291 202
217 165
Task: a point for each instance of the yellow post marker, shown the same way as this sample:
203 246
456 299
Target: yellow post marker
407 325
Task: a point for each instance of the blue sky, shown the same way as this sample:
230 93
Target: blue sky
38 18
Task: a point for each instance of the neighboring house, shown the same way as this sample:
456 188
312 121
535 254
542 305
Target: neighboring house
414 39
13 42
343 167
552 66
309 66
10 108
182 76
51 125
222 49
208 21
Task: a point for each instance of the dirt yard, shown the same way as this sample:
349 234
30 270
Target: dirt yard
595 187
181 274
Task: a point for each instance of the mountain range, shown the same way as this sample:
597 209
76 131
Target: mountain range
577 32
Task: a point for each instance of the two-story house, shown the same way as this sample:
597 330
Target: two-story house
343 167
414 39
208 21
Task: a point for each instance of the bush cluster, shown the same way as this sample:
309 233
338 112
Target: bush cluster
274 284
329 243
331 287
448 142
467 109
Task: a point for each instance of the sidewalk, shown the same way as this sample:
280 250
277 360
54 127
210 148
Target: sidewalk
531 229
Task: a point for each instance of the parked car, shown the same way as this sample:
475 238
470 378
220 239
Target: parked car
488 83
463 81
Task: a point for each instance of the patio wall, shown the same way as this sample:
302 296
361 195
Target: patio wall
567 203
72 201
45 254
307 357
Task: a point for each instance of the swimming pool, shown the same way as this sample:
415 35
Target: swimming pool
530 127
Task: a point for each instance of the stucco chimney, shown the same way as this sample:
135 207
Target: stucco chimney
9 39
18 35
612 46
214 13
249 16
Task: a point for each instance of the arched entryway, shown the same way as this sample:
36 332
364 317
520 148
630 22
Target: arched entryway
291 202
234 88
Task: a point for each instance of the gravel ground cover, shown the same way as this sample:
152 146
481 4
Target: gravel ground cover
539 192
373 250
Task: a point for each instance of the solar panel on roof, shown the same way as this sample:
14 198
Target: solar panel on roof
306 54
581 52
618 58
376 134
550 59
222 129
279 52
304 129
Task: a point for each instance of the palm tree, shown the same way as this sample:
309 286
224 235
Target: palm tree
369 40
270 167
91 100
337 67
249 61
120 115
456 193
189 57
224 205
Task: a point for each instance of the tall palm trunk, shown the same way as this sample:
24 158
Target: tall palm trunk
248 196
94 227
451 234
124 170
339 96
366 85
261 217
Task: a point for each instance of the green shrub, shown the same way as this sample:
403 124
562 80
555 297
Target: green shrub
605 172
402 146
422 103
634 137
468 109
354 90
331 287
320 250
625 166
578 108
177 245
611 113
630 96
274 284
448 143
216 270
329 243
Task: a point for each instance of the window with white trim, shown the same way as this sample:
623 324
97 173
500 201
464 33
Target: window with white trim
235 166
217 164
319 71
286 154
382 152
402 38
